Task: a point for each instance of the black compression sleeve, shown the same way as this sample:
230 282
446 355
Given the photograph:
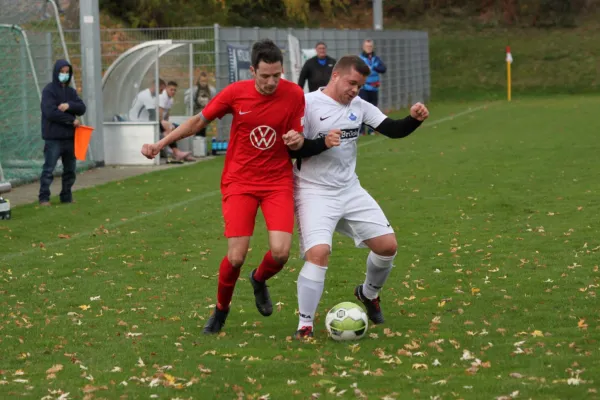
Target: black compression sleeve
311 147
398 128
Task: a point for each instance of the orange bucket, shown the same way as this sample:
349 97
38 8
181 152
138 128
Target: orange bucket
83 134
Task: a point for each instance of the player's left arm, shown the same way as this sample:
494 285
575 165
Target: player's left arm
395 128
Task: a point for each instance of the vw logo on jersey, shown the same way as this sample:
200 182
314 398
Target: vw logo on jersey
263 137
352 116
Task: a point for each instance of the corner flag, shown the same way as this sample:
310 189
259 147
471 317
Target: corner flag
509 61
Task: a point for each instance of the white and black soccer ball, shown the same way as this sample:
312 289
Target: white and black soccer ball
346 321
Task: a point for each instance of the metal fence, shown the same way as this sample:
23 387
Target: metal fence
406 54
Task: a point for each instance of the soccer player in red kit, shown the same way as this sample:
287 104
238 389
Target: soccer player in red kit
267 123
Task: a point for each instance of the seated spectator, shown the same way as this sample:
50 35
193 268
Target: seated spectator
143 109
165 102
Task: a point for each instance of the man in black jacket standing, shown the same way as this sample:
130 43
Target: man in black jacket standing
317 70
60 106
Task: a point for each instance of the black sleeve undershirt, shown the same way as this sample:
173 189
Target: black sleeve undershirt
311 147
394 129
398 128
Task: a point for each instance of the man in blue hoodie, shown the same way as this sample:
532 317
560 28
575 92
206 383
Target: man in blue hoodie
60 107
370 91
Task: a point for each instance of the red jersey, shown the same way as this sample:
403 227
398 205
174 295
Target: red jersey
257 158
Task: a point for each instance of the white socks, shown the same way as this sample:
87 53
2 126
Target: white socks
311 282
310 288
378 269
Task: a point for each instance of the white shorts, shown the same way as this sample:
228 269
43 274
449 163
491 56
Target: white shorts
352 212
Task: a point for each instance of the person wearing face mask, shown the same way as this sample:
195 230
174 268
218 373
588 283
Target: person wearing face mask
60 107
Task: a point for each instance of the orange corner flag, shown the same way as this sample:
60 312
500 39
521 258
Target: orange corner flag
83 134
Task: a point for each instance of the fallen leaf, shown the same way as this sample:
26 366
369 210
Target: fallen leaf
91 388
54 369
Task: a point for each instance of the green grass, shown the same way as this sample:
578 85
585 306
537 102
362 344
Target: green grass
467 58
497 217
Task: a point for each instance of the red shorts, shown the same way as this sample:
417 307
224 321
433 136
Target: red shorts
239 211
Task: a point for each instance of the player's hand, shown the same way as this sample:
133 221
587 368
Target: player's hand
333 138
150 150
76 123
63 107
419 112
294 140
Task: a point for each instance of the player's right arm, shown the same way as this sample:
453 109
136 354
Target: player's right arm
217 108
313 147
306 147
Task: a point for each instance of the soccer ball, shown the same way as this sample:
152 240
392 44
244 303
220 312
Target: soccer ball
346 321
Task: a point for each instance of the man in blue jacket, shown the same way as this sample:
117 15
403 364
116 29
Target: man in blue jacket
60 107
370 91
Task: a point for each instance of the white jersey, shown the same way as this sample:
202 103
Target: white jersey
335 168
143 102
165 102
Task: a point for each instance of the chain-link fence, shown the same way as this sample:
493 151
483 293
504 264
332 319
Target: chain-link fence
405 53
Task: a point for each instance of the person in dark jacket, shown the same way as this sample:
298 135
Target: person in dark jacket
317 70
60 107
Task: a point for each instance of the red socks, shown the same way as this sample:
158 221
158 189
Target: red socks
228 276
267 268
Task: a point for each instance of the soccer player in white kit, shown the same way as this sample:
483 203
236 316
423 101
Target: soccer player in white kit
328 195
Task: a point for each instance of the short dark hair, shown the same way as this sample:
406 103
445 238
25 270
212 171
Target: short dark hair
161 82
266 50
320 43
172 83
203 74
352 61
